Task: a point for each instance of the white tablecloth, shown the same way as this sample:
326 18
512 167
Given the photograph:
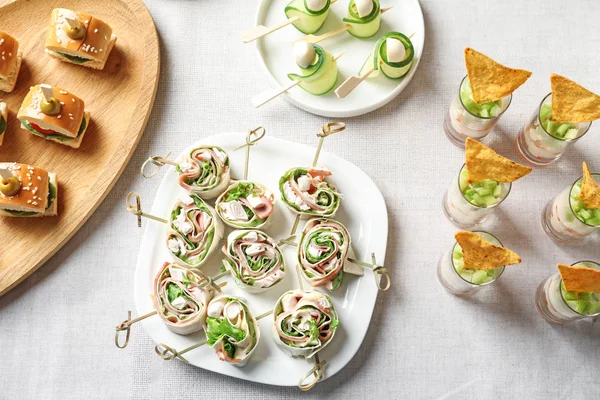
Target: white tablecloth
57 328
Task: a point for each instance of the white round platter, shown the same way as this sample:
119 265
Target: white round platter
275 54
363 212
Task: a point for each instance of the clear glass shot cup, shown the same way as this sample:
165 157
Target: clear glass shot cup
537 146
461 212
460 123
560 222
467 283
551 303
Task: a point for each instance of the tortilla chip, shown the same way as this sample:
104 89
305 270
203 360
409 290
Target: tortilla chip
590 189
578 278
491 81
572 102
484 163
480 254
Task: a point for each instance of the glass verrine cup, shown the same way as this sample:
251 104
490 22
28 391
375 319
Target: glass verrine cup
558 306
465 118
565 218
467 205
542 141
460 281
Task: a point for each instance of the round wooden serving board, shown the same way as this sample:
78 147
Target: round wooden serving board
119 99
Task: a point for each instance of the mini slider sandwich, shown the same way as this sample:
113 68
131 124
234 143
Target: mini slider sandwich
3 121
10 62
27 191
54 114
79 38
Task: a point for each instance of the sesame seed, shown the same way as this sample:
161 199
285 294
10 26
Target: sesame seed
39 177
72 119
3 52
96 30
1 42
87 21
62 103
70 115
100 50
10 54
73 99
28 201
105 38
58 40
62 92
59 117
29 184
3 58
35 203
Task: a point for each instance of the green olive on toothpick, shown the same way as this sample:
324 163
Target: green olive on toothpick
9 184
49 104
76 29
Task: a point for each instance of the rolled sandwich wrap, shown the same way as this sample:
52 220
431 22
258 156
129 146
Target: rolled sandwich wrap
67 127
307 192
304 322
254 260
91 50
178 299
204 170
324 246
246 204
231 330
194 230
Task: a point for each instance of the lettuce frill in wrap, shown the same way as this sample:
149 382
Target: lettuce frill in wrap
246 204
254 260
178 299
324 246
194 230
304 322
231 330
306 191
204 171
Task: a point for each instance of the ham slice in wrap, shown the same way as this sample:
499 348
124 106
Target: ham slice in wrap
307 192
246 204
204 171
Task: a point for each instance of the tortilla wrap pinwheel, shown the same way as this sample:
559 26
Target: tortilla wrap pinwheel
306 191
194 230
204 170
231 330
246 204
324 246
304 322
180 300
254 260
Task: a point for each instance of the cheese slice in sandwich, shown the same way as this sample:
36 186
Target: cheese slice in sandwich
3 121
90 51
37 196
10 61
67 127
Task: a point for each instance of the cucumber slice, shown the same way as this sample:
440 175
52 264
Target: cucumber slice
378 59
321 77
479 277
363 27
308 21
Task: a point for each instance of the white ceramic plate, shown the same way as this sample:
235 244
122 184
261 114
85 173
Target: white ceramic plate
354 301
275 54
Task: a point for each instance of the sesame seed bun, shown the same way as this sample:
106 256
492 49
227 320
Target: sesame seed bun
10 61
33 195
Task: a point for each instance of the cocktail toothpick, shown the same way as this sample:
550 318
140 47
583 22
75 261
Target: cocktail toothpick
252 137
47 91
263 98
159 162
319 38
353 81
136 209
379 271
261 30
126 325
5 173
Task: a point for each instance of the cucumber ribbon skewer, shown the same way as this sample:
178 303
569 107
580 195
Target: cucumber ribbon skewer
204 170
247 204
354 25
193 230
378 61
265 97
180 298
299 14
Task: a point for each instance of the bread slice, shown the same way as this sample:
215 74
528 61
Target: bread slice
91 51
50 211
67 141
3 121
8 84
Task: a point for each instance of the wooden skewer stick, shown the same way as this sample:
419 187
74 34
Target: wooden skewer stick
353 81
265 97
158 161
252 137
136 209
319 38
5 173
261 30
